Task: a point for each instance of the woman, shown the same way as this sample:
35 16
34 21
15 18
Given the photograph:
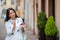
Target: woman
13 25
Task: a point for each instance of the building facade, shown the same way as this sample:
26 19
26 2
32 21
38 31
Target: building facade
5 4
29 9
51 8
33 7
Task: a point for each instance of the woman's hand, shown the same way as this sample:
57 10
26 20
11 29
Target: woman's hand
22 26
14 25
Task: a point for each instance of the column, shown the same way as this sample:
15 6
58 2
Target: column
46 8
57 15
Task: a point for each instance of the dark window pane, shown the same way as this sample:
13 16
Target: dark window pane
3 1
12 1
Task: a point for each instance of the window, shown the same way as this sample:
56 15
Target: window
3 1
3 11
3 14
12 1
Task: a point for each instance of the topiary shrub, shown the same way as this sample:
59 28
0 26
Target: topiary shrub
41 20
50 29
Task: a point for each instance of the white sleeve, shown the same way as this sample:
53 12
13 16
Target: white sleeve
8 27
20 21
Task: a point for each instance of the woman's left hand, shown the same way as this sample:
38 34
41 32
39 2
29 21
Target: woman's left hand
22 26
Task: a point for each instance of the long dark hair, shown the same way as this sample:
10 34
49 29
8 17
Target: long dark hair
7 14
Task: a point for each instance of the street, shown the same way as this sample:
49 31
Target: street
2 30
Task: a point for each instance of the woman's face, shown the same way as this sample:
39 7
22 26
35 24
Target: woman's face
12 14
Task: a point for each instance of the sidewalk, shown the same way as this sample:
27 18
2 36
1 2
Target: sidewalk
30 36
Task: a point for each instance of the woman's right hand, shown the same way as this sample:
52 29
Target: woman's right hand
14 25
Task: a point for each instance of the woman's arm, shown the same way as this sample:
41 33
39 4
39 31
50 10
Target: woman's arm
22 27
9 28
21 24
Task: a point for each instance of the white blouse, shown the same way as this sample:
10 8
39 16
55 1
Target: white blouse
17 33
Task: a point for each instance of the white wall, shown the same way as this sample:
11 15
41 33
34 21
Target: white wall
57 14
29 13
26 12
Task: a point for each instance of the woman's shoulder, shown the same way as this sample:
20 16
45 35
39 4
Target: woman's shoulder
6 23
19 18
9 21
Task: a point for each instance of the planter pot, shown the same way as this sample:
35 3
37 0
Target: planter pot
42 34
51 38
